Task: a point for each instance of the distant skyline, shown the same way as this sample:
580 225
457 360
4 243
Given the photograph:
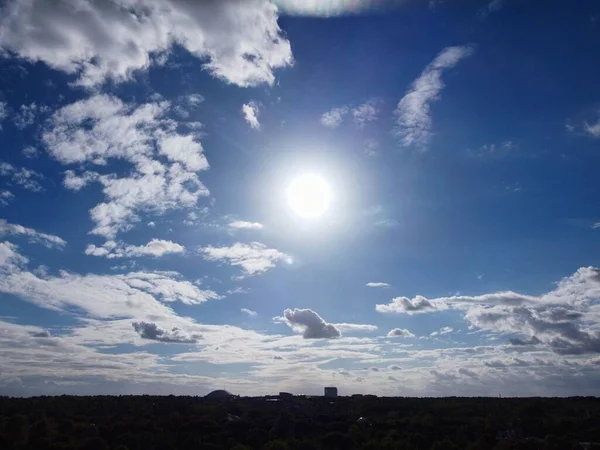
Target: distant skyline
389 197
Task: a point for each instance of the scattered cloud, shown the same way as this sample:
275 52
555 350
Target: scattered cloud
419 304
249 312
494 151
251 111
244 225
334 117
239 42
6 197
354 327
140 135
155 248
309 323
371 147
27 115
47 240
253 258
442 331
413 113
26 178
367 112
492 7
596 226
151 331
31 152
3 112
377 284
592 130
400 332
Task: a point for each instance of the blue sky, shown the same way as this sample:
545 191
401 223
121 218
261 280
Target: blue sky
159 163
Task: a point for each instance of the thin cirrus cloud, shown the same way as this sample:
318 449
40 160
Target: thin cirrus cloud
414 124
361 114
240 42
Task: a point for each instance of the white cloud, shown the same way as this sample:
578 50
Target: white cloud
194 100
377 284
3 112
442 331
26 178
413 114
593 130
371 147
249 312
27 115
31 152
155 248
151 331
6 197
596 226
47 240
240 41
132 133
400 332
354 327
251 111
328 8
253 258
419 304
335 117
309 323
365 113
244 225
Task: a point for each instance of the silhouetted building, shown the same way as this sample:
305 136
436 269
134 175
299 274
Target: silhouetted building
331 392
220 394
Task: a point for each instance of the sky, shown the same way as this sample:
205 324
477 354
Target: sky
391 197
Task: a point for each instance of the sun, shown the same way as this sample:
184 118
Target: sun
309 196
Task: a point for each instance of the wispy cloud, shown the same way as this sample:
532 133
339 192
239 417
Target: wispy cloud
374 284
249 312
244 225
21 176
251 111
334 117
413 113
48 240
253 258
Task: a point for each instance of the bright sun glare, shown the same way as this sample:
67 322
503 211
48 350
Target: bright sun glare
309 196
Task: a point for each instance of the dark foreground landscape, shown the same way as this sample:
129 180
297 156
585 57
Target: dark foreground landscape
145 423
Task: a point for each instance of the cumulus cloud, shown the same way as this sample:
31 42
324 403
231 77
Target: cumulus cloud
400 332
309 323
47 240
563 320
377 284
244 225
240 42
164 162
335 117
419 304
413 113
27 115
155 248
25 178
253 258
251 111
151 331
249 312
